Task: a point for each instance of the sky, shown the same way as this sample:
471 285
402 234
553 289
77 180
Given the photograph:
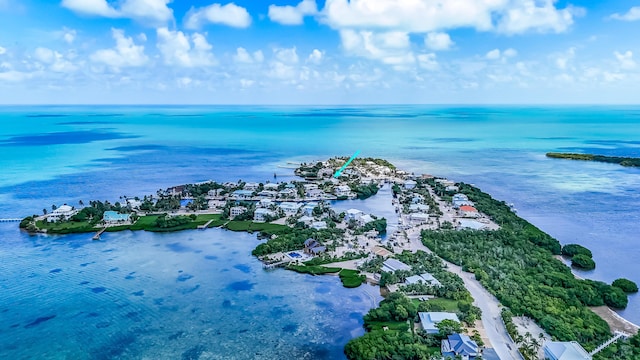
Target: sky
319 52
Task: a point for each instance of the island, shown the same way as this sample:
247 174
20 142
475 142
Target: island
624 161
462 274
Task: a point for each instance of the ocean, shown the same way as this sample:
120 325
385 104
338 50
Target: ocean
201 293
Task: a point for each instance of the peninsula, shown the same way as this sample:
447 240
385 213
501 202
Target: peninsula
624 161
462 271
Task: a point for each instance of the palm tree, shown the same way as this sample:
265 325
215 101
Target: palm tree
81 203
44 211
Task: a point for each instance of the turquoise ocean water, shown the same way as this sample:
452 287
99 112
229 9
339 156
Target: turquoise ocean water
192 294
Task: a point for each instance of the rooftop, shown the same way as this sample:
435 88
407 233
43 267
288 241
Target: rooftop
565 350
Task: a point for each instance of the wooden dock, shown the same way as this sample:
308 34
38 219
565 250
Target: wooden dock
205 225
97 235
10 220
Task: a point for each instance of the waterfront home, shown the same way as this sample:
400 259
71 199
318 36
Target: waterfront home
242 194
133 203
62 213
260 214
313 247
289 208
319 225
418 208
468 211
342 190
565 350
425 278
251 186
417 199
271 186
445 182
236 210
409 184
287 193
307 220
365 219
457 346
316 193
318 250
307 209
471 225
429 320
268 193
353 214
214 192
113 217
265 203
309 187
419 218
451 188
391 265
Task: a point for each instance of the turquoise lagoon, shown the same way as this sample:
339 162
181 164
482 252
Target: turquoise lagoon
181 303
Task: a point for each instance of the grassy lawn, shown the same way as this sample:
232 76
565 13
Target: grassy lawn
251 226
448 304
351 278
313 270
392 325
65 227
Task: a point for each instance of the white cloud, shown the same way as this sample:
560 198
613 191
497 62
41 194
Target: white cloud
315 57
428 61
181 50
632 15
246 83
14 76
438 41
292 15
562 60
44 55
625 60
155 11
493 54
68 35
496 54
423 16
510 53
244 57
286 56
388 47
229 14
2 50
126 53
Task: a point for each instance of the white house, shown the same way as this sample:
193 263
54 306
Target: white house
410 184
214 192
425 278
289 208
133 203
268 193
265 203
561 350
471 224
391 265
319 225
418 208
342 190
315 193
429 320
236 210
63 212
419 217
365 219
271 186
309 187
260 214
451 188
353 214
242 194
307 220
288 193
251 186
308 208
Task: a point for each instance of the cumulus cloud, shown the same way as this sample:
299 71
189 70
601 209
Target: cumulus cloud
632 15
389 47
244 57
496 54
286 56
229 14
562 60
125 54
438 41
428 61
315 57
292 15
2 50
181 50
423 16
14 76
625 60
155 11
54 60
68 35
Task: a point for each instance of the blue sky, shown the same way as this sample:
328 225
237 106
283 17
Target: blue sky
319 52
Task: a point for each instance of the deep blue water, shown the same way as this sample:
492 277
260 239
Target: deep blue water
70 296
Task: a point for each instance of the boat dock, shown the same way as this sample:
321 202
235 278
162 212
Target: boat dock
205 225
97 235
10 220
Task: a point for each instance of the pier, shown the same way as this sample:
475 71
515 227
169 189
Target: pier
10 220
97 235
205 225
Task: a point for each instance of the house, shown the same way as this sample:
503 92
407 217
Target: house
319 225
310 243
318 250
316 193
417 199
271 186
63 212
260 214
312 246
307 209
113 217
419 217
429 320
459 200
265 203
410 184
307 220
309 187
451 188
214 192
468 211
353 214
236 210
365 219
418 208
489 354
251 186
425 278
565 350
342 190
445 182
471 225
289 208
287 193
268 193
242 194
459 345
133 203
391 265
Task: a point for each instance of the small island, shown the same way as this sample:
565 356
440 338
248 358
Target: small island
624 161
450 241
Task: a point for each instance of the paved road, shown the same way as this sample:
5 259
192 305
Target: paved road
490 306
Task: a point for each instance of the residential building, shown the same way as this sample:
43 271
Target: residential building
315 193
252 186
289 208
470 224
468 211
419 217
410 184
113 217
342 190
391 265
214 192
242 194
425 278
353 214
63 212
307 209
268 193
288 193
260 214
236 210
309 187
307 220
265 203
133 203
271 186
451 188
429 320
319 225
459 345
313 247
365 219
565 350
418 208
417 199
